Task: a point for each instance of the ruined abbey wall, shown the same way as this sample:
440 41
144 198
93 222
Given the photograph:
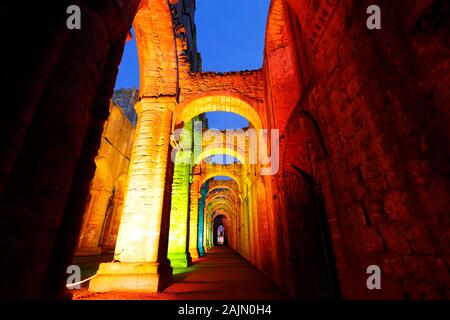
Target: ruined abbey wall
375 104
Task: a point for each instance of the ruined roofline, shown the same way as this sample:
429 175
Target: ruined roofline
228 73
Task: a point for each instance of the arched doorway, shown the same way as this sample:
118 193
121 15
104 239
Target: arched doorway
309 237
311 249
220 233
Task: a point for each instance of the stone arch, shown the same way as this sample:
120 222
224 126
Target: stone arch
279 47
219 196
193 107
221 208
226 223
218 149
229 192
221 211
215 212
156 49
228 185
222 187
304 145
222 201
315 130
228 174
216 203
275 30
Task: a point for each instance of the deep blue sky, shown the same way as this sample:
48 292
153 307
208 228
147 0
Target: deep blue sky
230 33
128 76
230 37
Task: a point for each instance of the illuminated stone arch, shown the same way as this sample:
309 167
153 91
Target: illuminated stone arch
221 211
221 196
224 187
224 102
213 206
278 46
220 199
227 224
229 192
156 49
276 27
221 149
302 129
231 185
227 174
221 204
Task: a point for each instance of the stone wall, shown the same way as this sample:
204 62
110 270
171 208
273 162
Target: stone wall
103 209
63 81
378 98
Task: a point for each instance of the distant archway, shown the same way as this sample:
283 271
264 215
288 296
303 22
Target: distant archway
212 150
227 174
220 230
219 191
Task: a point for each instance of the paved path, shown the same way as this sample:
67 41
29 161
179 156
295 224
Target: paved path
221 275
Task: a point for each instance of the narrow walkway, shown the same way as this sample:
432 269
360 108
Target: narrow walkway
221 275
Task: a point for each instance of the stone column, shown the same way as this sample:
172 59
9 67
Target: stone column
141 267
205 213
205 234
92 227
210 229
193 217
211 233
179 255
201 219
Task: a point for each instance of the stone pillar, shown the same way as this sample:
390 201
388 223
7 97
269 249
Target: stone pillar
205 213
141 267
208 231
205 234
92 227
211 233
179 255
201 219
193 217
